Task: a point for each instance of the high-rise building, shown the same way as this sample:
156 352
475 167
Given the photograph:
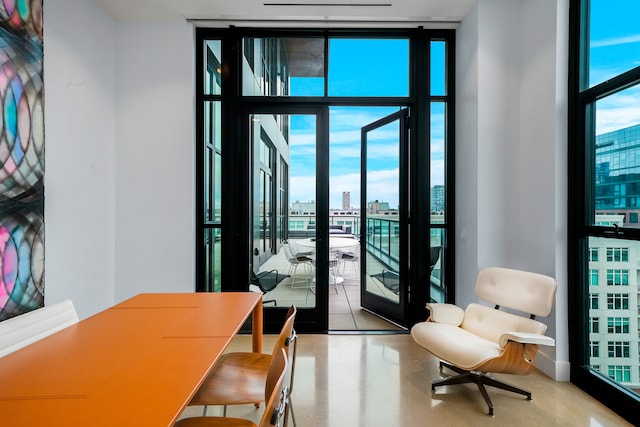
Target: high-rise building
346 200
617 174
437 199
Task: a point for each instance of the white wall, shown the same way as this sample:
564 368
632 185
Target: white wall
119 183
155 158
79 70
510 170
466 158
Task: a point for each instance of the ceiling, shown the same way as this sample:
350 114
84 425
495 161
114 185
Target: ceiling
305 12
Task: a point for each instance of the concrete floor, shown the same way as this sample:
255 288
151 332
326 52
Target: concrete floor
384 380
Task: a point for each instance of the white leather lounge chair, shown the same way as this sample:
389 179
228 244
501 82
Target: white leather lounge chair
483 339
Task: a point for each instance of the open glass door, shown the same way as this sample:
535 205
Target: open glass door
384 213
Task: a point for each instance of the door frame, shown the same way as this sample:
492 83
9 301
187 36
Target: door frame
311 319
232 267
383 307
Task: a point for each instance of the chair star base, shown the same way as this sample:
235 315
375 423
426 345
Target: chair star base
480 380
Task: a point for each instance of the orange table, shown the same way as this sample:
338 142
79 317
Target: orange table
137 363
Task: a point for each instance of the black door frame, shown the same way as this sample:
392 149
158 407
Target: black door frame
396 312
235 233
311 319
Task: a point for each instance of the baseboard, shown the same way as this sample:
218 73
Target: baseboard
558 371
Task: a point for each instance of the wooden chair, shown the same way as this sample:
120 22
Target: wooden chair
274 395
240 377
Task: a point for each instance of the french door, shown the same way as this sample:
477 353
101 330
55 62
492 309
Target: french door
288 211
384 234
265 182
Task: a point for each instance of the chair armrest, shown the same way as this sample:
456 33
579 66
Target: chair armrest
445 313
526 338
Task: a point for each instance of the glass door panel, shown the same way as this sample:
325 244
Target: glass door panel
438 202
383 212
284 208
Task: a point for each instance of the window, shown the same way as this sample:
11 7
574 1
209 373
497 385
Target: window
618 349
617 254
593 254
593 298
594 349
212 167
617 277
593 277
620 373
618 325
356 63
594 325
617 301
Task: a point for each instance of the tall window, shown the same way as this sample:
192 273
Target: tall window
604 165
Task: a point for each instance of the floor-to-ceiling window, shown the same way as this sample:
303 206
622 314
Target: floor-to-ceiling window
280 162
604 226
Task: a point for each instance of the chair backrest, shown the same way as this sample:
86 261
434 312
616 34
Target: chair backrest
286 331
527 292
267 280
291 358
490 324
287 252
32 326
274 393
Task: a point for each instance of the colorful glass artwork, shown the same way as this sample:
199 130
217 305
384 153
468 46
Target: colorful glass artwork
21 158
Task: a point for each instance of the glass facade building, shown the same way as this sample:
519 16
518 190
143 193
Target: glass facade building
617 174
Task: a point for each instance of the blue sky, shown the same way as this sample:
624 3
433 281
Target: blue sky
355 69
615 49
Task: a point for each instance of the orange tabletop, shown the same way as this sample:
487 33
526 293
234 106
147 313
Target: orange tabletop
137 363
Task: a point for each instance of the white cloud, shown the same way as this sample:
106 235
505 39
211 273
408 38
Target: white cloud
615 41
302 188
618 111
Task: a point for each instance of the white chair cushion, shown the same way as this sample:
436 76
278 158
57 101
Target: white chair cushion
445 313
530 293
490 323
454 344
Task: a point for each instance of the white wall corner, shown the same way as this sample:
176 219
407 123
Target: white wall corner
554 369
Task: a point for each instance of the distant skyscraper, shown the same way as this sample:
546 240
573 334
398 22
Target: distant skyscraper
346 200
437 198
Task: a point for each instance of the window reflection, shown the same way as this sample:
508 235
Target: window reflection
617 160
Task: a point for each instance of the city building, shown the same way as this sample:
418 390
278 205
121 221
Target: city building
346 200
618 174
614 306
437 199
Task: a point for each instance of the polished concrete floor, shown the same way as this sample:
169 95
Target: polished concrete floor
384 380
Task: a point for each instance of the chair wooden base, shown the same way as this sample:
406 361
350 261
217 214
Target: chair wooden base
480 380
